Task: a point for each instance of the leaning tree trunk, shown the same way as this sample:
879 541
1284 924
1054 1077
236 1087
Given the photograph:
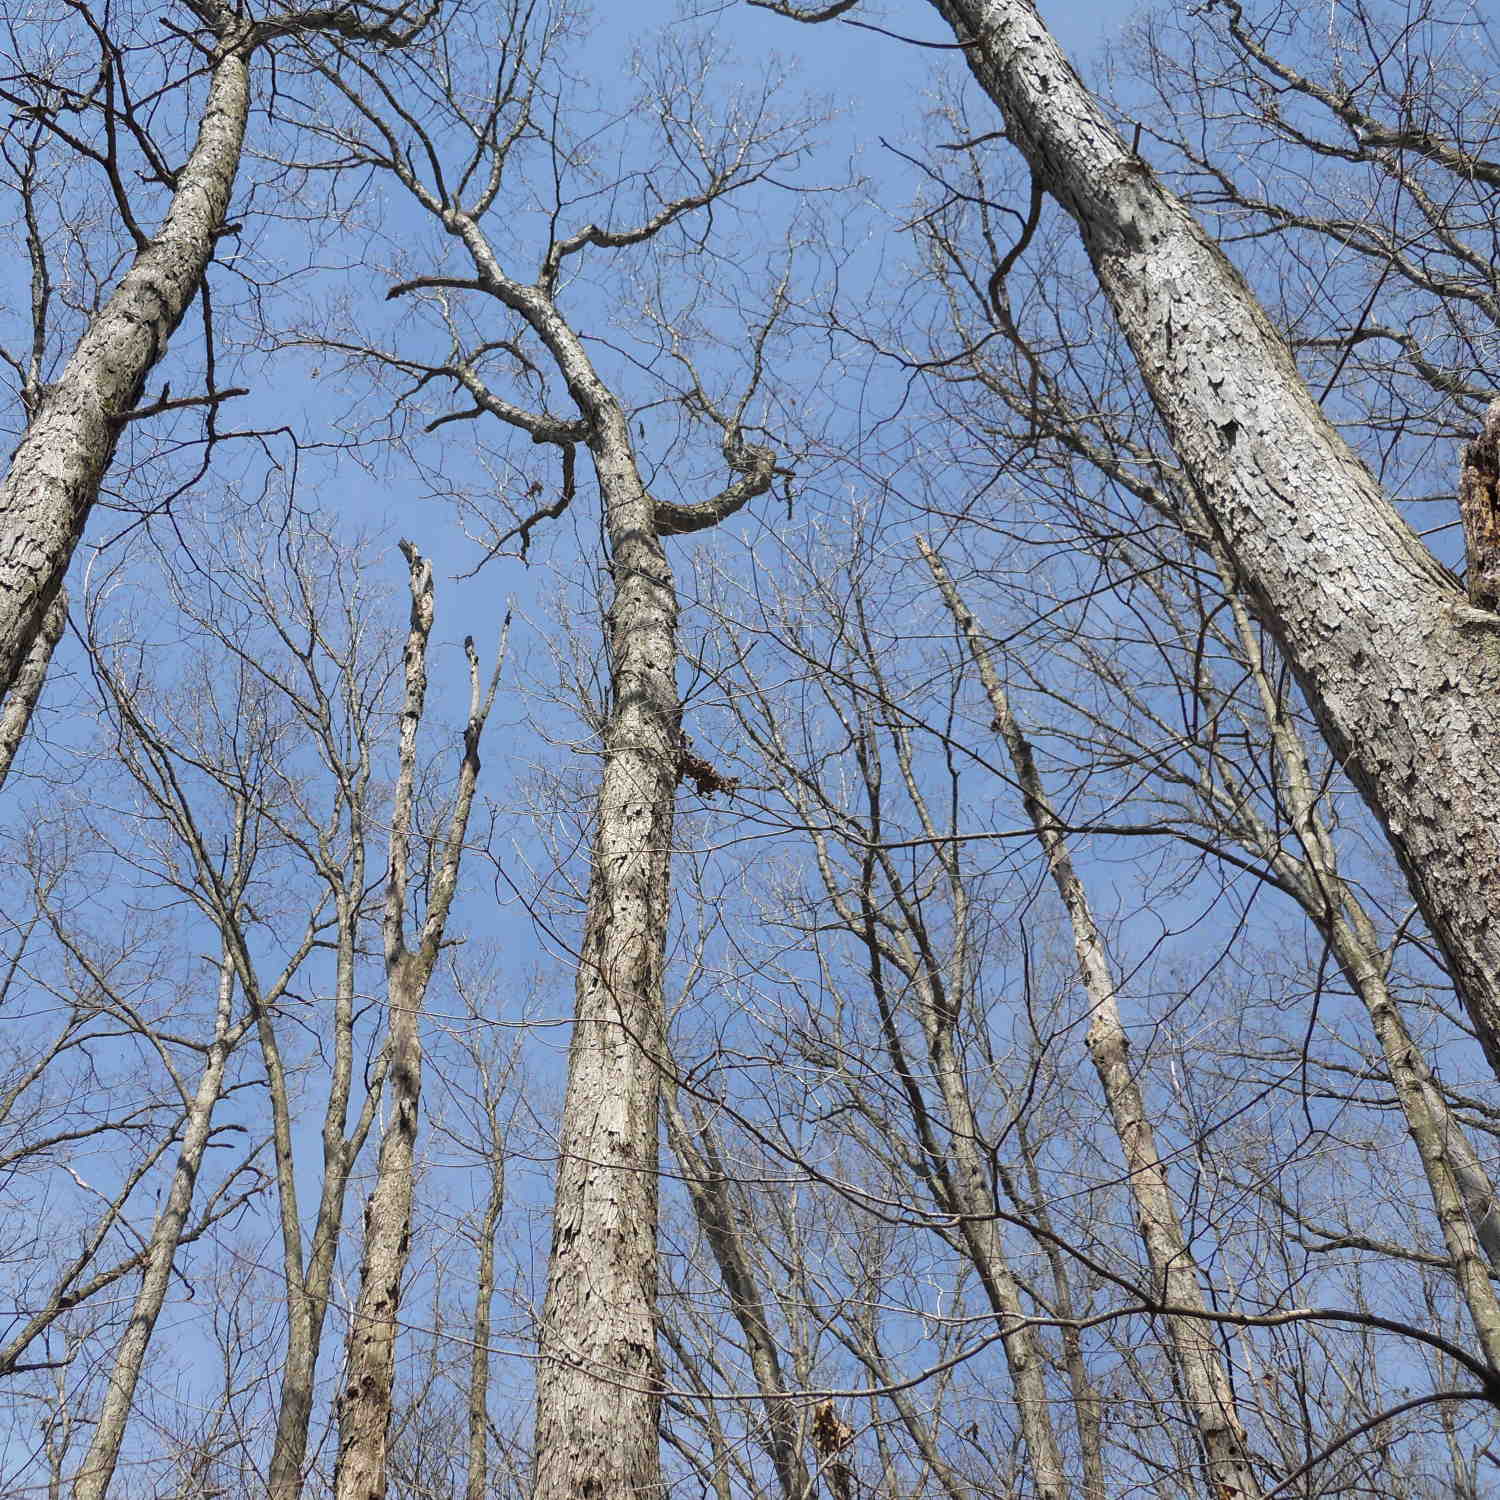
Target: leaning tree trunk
92 1481
719 1217
55 476
1463 1196
26 688
1202 1376
1402 672
598 1384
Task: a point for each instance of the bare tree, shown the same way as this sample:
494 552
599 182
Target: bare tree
918 984
74 422
1396 663
1206 1384
720 1214
598 1387
46 1117
370 1358
92 1480
1260 786
278 739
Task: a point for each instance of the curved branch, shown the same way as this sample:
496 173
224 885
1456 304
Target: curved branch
1368 1426
797 13
756 466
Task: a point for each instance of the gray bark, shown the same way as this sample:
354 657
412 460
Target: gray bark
1201 1373
598 1381
55 475
880 907
598 1402
20 703
98 1467
1463 1196
1402 672
75 423
370 1355
309 1274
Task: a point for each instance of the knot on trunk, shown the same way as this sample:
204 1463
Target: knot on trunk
692 767
1479 508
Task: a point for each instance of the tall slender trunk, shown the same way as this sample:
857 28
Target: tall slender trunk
476 1477
598 1401
1085 1399
309 1272
959 1177
1463 1195
598 1387
1201 1369
951 1155
54 478
364 1404
974 1200
719 1218
1401 671
93 1477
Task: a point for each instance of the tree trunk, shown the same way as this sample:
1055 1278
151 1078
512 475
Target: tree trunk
714 1207
974 1199
15 714
963 1177
1402 672
1200 1367
364 1405
55 476
476 1476
93 1478
598 1386
309 1277
1463 1196
598 1401
370 1361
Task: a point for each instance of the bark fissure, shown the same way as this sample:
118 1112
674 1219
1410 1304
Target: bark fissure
598 1384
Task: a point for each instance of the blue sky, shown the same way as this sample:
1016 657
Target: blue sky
879 88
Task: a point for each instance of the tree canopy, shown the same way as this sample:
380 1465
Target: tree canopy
750 751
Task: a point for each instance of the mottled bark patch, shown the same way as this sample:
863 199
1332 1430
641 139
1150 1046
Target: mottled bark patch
1479 506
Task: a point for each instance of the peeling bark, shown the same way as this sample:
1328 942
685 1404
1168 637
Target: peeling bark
1479 508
